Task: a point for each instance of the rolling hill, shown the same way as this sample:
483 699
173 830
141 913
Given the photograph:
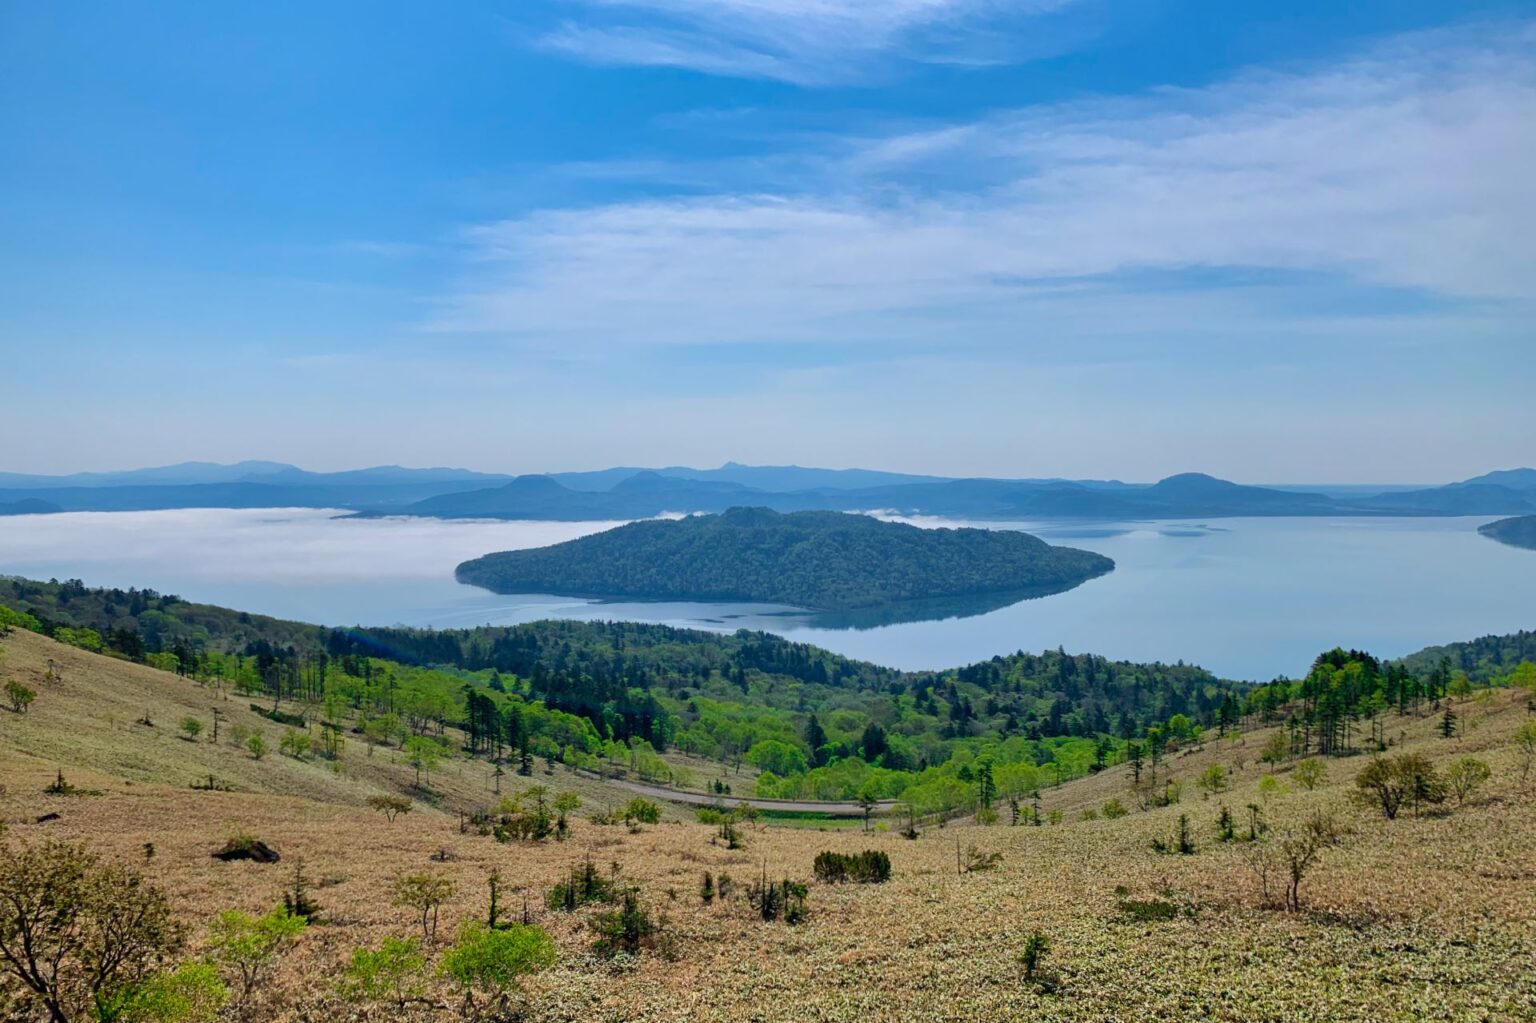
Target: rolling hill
1426 916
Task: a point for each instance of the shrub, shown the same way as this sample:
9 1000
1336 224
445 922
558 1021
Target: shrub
641 811
1148 910
976 860
395 972
257 744
1301 847
424 893
60 787
1277 750
868 867
1525 744
390 806
1311 773
193 993
1465 777
1182 842
778 900
423 754
584 884
1391 783
565 804
249 944
74 931
627 928
1114 809
19 696
296 899
294 743
491 962
191 728
1036 946
1213 779
525 817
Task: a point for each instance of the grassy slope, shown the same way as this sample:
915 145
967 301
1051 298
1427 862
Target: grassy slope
1431 918
88 724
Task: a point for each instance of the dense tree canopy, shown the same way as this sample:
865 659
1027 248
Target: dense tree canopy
821 560
817 724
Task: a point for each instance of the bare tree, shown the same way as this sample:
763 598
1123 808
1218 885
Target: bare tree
1300 849
73 930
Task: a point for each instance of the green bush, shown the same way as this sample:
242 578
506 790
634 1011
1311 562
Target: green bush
868 867
778 900
193 993
489 962
395 972
627 928
583 885
250 944
641 811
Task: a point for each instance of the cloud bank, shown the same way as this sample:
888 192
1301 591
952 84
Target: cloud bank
1387 193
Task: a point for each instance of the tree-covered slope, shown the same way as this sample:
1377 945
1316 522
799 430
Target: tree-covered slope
1517 532
821 560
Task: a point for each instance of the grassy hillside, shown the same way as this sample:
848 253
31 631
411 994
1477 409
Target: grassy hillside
819 560
1425 917
828 726
89 719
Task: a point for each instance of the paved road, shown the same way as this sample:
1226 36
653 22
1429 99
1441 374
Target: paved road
831 809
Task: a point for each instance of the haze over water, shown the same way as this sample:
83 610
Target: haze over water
1246 598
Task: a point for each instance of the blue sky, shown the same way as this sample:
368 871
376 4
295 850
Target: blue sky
1050 237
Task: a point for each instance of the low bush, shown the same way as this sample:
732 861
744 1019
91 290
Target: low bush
492 963
778 900
584 884
868 867
627 928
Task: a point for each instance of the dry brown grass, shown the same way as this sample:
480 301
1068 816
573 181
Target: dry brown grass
1428 918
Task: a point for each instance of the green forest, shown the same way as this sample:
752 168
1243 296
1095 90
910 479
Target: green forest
815 724
817 560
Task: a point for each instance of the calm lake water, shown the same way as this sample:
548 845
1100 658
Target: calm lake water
1247 598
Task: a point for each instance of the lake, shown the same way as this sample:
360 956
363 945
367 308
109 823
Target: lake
1246 598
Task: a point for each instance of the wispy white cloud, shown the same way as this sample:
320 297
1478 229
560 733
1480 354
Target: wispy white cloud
1404 170
808 42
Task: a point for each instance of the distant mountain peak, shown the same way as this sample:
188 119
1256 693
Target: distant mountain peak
1523 479
1189 481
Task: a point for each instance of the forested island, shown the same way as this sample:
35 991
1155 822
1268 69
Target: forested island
1519 531
826 561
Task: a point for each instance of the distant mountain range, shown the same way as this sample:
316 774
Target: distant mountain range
631 493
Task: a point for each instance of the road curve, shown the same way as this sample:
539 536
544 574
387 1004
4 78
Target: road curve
831 809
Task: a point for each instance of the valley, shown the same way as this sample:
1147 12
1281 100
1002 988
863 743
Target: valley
1428 916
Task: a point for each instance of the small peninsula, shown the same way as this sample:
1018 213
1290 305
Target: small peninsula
825 561
1519 531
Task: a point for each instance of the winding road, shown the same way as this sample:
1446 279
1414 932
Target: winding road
831 809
